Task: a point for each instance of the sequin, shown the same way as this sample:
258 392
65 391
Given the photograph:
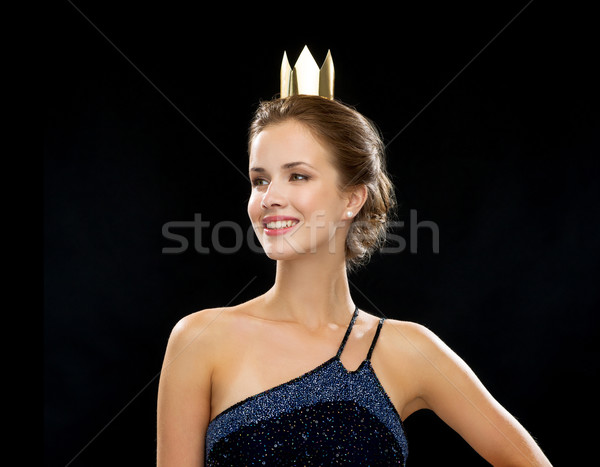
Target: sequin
327 416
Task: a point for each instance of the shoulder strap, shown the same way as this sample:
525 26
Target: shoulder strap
339 352
375 338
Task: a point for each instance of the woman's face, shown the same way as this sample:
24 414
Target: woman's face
295 206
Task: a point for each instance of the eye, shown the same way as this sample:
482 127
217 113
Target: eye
299 177
259 182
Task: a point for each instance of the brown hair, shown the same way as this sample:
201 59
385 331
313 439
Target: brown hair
358 155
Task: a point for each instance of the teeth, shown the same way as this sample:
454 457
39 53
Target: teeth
281 224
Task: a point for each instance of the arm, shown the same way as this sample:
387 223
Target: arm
183 409
449 387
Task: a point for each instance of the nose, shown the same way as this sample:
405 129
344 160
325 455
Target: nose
273 197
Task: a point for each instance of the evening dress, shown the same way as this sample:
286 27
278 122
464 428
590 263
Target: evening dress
327 416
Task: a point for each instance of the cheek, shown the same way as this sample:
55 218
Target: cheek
319 207
253 207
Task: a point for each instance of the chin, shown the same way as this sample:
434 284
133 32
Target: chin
288 254
286 248
285 254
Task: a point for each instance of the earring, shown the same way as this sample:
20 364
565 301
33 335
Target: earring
349 213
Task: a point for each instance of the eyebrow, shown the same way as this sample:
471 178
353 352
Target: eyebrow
289 165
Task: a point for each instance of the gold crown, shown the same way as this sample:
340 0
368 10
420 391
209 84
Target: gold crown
305 77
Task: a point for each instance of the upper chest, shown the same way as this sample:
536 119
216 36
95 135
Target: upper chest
257 356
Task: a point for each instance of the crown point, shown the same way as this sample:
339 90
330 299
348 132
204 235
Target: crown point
286 71
327 77
306 77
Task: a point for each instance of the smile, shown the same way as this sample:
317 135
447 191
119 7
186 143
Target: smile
276 225
280 224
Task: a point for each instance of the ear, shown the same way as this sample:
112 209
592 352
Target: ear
355 200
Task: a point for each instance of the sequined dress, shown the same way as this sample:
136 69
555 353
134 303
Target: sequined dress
327 416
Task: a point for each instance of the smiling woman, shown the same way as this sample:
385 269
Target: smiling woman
299 186
299 375
350 143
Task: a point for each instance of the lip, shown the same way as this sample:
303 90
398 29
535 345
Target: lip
272 232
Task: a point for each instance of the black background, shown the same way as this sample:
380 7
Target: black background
147 108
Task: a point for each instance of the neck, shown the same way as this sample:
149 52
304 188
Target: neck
311 291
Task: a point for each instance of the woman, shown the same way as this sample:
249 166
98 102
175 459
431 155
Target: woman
299 375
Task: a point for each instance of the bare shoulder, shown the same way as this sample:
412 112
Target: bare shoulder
421 352
198 323
198 327
427 351
411 337
407 327
207 331
192 341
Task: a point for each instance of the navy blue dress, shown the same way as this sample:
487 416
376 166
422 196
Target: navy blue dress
327 416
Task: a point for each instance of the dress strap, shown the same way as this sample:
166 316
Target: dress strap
355 314
375 338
